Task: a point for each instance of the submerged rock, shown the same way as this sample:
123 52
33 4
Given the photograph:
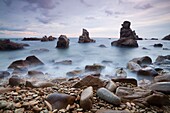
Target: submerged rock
133 66
158 45
94 67
84 38
9 45
63 42
31 39
74 73
59 100
86 99
64 62
41 50
125 42
108 96
35 73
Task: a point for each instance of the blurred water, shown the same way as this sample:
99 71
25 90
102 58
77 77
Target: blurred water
83 54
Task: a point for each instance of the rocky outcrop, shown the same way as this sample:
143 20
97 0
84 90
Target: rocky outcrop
63 42
31 39
28 62
60 100
166 37
43 39
127 36
9 45
84 38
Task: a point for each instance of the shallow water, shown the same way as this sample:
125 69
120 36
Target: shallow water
84 54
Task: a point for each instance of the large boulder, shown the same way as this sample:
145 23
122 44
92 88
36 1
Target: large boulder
166 37
28 62
142 61
163 87
108 96
59 100
148 71
125 42
84 38
63 42
9 45
86 99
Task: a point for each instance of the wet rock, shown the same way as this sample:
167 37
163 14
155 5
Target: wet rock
93 81
102 46
35 73
4 74
142 61
123 91
111 86
125 42
28 62
44 39
51 38
144 82
94 67
63 42
147 71
121 73
126 80
162 59
166 49
162 78
163 87
107 62
154 38
133 66
9 45
15 81
41 50
4 90
166 37
158 45
74 73
86 99
64 62
158 100
59 100
84 38
112 111
108 96
31 39
38 84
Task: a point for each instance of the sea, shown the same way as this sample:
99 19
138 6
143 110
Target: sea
83 54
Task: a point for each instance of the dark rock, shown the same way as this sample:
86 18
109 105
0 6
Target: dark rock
163 87
18 64
38 84
35 73
33 61
93 81
86 99
44 39
166 49
163 62
63 42
126 80
74 73
102 46
160 59
154 38
107 62
9 45
59 100
20 70
113 111
148 71
94 67
38 51
166 37
158 100
51 38
16 81
31 39
162 78
142 61
108 96
125 42
4 90
84 38
64 62
158 45
4 74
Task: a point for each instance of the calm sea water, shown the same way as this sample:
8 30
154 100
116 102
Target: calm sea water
83 54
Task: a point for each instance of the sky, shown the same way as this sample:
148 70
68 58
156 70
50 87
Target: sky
102 18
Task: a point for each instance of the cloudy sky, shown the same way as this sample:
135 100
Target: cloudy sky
102 18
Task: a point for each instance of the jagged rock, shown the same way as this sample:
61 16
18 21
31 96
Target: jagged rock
94 67
15 81
28 62
162 78
93 81
111 86
108 96
148 71
84 38
59 100
9 45
86 99
158 45
38 84
166 37
44 39
63 42
4 74
163 87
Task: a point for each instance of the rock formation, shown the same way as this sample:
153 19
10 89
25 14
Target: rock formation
127 36
84 38
63 42
166 37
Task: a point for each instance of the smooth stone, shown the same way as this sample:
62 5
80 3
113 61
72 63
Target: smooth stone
147 71
142 61
59 100
3 104
133 66
35 73
86 99
112 111
163 87
123 91
19 110
38 84
108 96
111 86
4 90
162 78
15 81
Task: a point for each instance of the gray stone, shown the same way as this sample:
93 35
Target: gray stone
163 87
162 78
111 86
108 96
133 66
